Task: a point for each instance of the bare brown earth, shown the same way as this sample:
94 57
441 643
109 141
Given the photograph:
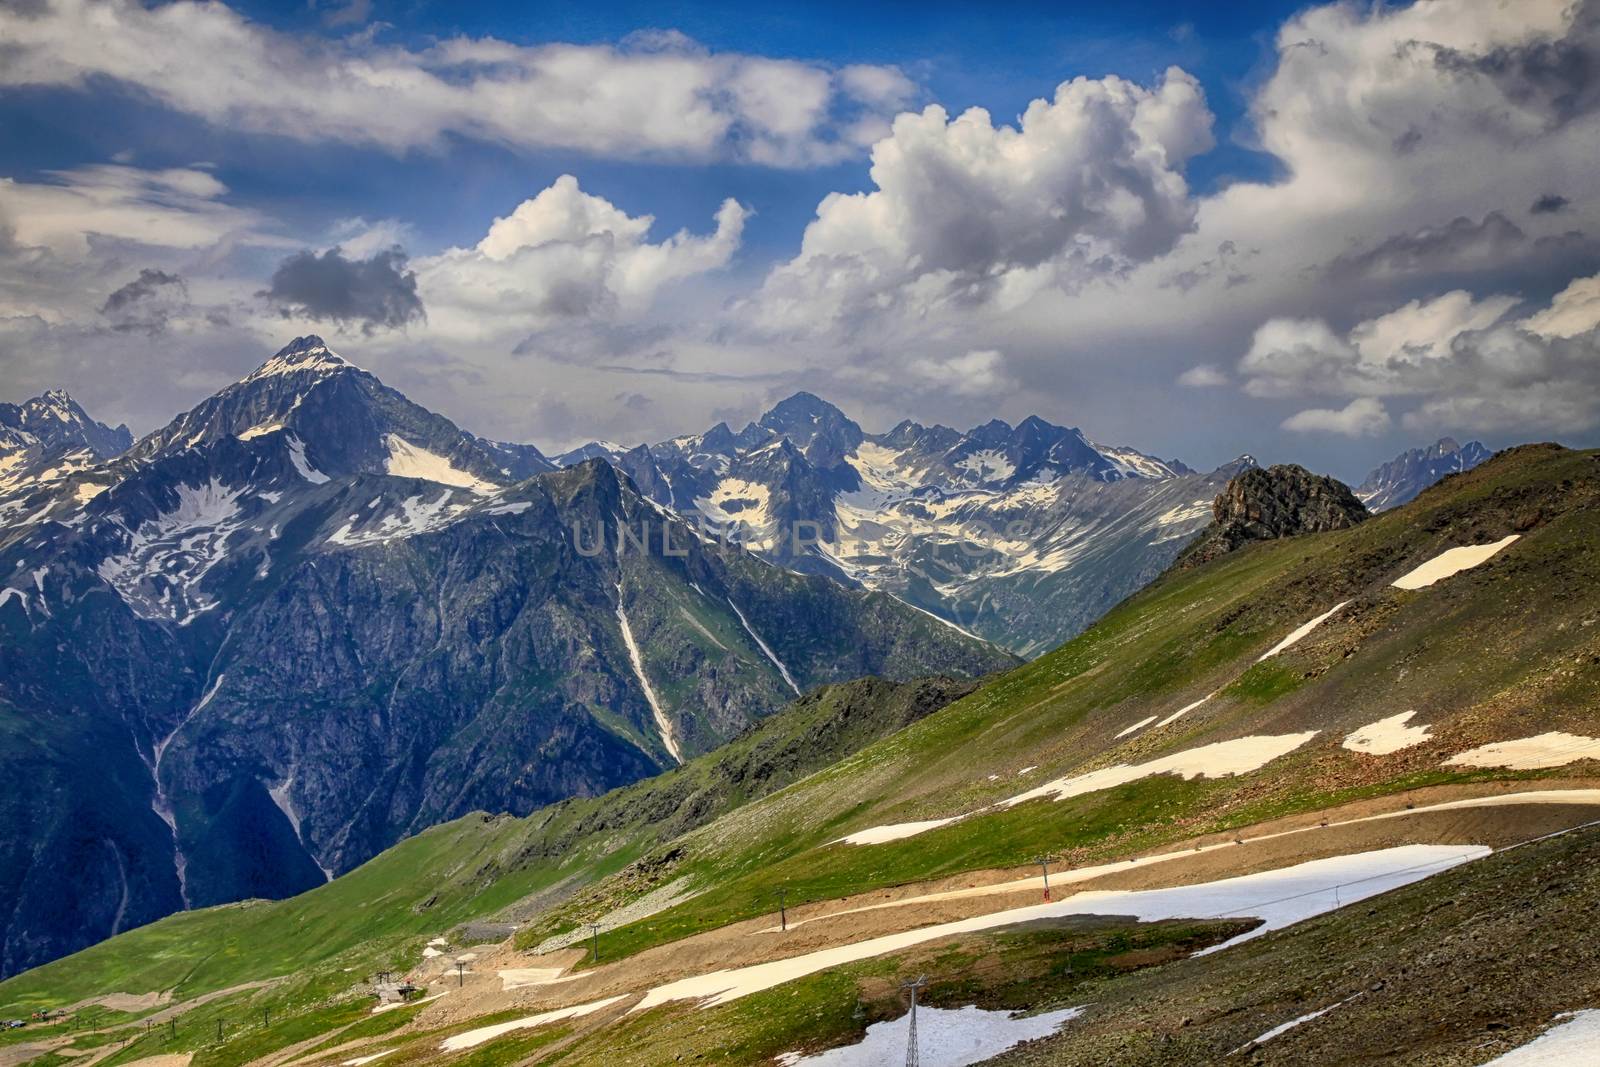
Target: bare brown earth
481 999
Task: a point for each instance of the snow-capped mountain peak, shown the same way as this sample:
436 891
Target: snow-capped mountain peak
303 355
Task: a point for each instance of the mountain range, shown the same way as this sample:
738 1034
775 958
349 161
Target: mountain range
1326 795
309 618
1022 535
1402 478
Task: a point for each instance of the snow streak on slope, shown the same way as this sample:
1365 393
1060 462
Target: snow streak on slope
762 645
280 796
1299 634
1449 563
164 559
1221 759
662 722
1279 898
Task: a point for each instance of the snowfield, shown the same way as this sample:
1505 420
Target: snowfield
1387 735
1279 898
946 1038
1449 563
1574 1040
1554 749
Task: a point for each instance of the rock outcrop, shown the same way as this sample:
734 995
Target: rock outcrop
1264 504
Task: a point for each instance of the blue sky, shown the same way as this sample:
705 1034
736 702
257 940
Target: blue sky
1304 231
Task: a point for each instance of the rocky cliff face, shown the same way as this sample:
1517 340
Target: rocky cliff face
310 618
1266 504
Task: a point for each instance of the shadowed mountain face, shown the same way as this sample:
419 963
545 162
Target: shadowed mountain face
309 618
1020 534
1402 478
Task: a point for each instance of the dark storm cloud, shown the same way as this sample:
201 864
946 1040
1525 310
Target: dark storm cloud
146 303
1559 78
1459 243
378 292
1549 204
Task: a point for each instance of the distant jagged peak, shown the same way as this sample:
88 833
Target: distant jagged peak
54 420
304 355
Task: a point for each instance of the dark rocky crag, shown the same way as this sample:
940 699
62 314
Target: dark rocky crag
1264 504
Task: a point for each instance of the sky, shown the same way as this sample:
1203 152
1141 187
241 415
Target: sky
1318 234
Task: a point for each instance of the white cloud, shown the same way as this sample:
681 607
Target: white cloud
964 210
655 96
564 255
1469 362
175 208
979 373
1362 417
1203 376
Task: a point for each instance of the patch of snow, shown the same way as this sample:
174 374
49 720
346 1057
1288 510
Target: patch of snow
1387 735
945 1038
166 557
259 431
297 456
765 651
523 977
1218 760
416 516
1283 1028
877 835
1135 728
1279 898
430 952
1300 632
474 1038
381 1008
516 507
663 724
1450 562
407 460
1575 1039
1554 749
987 465
1181 712
367 1059
1582 797
280 796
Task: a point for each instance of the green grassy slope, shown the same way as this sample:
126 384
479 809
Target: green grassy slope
1509 649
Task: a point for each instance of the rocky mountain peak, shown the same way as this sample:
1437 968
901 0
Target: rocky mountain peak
1265 504
56 423
1403 477
308 354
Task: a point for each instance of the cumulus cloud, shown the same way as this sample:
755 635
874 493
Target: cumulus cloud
1087 183
1362 417
377 292
566 255
656 96
147 302
1469 362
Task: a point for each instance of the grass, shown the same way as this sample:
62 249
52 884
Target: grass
1503 650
